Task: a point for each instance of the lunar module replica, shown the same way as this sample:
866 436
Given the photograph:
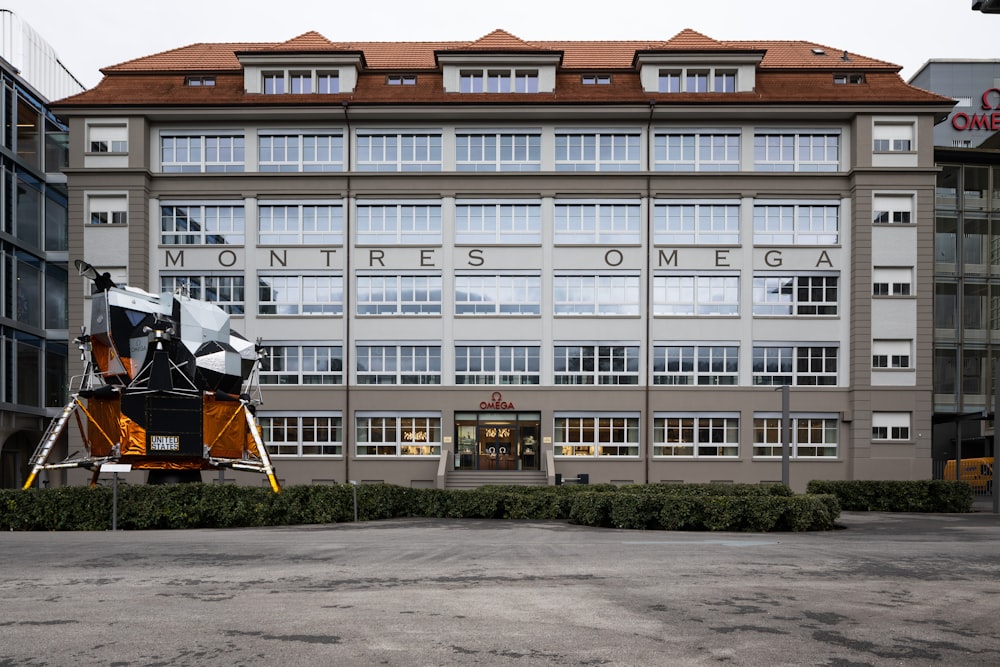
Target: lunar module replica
166 388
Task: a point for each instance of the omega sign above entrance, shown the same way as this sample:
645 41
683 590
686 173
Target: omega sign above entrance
496 402
988 120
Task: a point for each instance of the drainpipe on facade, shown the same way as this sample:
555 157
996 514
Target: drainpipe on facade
346 427
648 440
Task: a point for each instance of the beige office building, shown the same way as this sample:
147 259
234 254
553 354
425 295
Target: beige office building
502 260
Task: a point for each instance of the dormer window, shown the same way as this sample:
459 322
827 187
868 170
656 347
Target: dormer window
697 80
845 79
301 82
401 80
498 81
596 79
199 81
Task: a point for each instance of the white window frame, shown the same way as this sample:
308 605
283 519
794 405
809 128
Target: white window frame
698 435
506 294
498 222
286 433
599 364
395 363
696 149
706 294
597 222
893 136
600 295
107 208
892 427
226 147
792 150
696 222
892 281
398 150
404 434
300 222
184 223
497 364
697 364
301 364
795 222
387 292
225 289
784 294
301 294
393 222
767 435
598 150
784 360
299 81
893 209
496 79
300 151
498 150
892 354
612 435
107 138
697 79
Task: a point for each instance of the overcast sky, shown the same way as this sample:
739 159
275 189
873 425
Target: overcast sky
90 34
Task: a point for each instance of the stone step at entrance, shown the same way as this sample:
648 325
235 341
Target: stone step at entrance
472 479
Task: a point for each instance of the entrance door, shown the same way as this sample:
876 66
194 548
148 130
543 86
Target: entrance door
498 445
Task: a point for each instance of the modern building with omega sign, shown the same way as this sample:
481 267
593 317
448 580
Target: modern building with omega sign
503 260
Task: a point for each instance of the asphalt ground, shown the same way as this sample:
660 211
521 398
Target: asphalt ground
885 589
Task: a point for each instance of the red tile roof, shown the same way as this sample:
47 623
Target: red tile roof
790 71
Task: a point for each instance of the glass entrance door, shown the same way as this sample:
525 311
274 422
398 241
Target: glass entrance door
497 441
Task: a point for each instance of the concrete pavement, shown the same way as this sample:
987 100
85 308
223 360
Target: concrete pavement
887 589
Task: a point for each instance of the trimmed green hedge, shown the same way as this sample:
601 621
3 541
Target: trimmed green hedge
897 496
742 507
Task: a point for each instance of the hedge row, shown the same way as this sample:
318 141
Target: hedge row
897 496
656 506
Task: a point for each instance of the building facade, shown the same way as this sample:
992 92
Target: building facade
967 257
34 310
537 258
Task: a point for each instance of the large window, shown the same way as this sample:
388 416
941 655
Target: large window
702 223
506 294
888 426
388 294
697 150
605 294
605 222
696 364
300 151
696 295
300 294
805 365
300 223
498 222
224 290
201 152
302 433
696 435
302 364
409 434
399 364
498 80
496 364
812 436
597 151
783 150
498 151
399 151
395 223
596 435
202 223
596 364
794 294
796 223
